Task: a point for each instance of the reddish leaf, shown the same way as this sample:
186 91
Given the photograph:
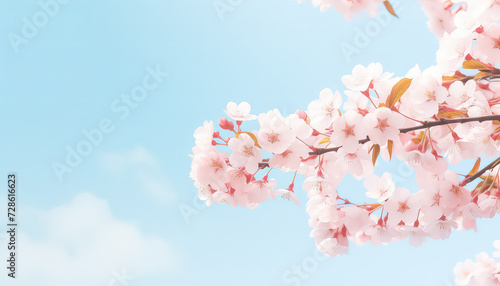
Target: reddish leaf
390 144
452 113
389 8
418 139
472 65
376 152
478 76
476 167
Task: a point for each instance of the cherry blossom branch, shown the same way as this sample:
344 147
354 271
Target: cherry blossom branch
492 76
444 121
264 164
401 211
427 124
321 151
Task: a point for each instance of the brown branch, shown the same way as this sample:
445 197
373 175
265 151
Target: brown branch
263 165
490 77
427 124
478 174
444 121
321 151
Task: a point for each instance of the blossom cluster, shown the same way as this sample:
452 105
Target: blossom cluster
483 272
429 119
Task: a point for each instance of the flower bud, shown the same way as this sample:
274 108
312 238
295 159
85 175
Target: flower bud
302 115
226 124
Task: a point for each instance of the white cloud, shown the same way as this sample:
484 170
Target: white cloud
82 244
138 168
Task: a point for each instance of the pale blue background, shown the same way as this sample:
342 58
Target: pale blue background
273 54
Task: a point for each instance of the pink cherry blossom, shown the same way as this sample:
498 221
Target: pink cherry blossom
453 48
440 229
322 208
319 186
222 197
211 168
484 271
300 127
487 45
362 77
440 16
379 188
275 134
382 125
465 21
245 153
432 208
357 163
236 177
416 235
467 215
457 149
332 248
380 234
401 206
289 195
356 220
426 95
489 205
347 131
260 191
464 271
240 112
204 193
461 95
453 194
204 135
358 103
325 110
291 157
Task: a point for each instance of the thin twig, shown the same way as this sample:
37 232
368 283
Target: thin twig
478 174
427 124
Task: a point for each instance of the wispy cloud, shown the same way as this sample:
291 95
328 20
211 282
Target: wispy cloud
83 244
139 169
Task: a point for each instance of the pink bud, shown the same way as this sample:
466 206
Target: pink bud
302 115
226 124
480 29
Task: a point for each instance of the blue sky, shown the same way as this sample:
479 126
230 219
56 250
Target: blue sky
119 208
